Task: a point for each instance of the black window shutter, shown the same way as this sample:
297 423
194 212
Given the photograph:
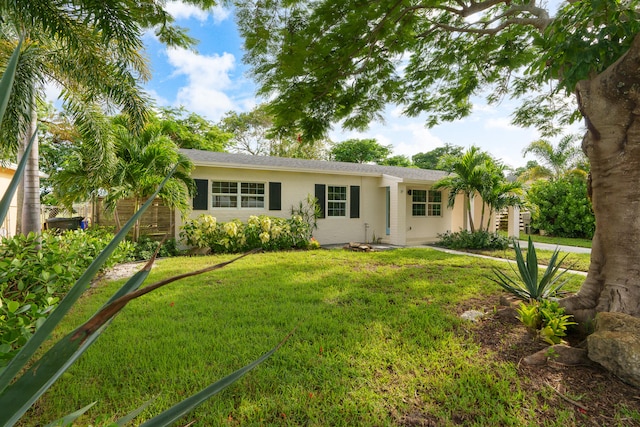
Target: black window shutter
354 204
320 195
201 199
275 196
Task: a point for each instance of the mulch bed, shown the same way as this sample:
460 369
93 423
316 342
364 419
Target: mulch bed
593 393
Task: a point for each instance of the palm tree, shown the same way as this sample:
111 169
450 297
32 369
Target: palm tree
557 161
142 161
92 50
90 75
498 192
467 178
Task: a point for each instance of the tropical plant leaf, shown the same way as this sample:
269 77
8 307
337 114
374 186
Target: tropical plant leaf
529 287
133 414
20 395
68 419
6 83
26 352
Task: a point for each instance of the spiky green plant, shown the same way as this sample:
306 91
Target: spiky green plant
20 387
529 285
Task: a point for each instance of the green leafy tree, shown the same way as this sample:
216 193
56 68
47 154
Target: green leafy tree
360 151
93 50
344 61
398 160
431 159
252 134
561 207
190 130
142 161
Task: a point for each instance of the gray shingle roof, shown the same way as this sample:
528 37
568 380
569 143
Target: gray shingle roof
211 158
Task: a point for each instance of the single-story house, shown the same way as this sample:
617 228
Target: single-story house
359 202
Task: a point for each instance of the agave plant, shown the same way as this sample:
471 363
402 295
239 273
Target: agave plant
20 387
528 285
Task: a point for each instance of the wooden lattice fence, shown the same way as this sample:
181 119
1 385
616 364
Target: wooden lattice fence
157 221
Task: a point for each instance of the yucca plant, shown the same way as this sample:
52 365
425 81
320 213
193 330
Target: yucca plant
21 386
529 285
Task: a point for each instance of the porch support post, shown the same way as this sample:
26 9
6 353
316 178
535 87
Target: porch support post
513 225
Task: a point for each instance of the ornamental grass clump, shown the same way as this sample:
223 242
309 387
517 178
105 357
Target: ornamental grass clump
528 285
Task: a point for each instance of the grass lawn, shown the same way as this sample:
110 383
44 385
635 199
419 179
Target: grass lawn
583 243
378 339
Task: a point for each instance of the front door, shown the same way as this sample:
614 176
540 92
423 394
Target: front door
388 211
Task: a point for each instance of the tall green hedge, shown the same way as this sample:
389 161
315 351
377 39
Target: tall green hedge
561 207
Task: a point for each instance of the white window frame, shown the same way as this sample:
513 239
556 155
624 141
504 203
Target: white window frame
430 204
336 207
238 195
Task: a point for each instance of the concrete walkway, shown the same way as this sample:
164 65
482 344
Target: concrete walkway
454 252
550 247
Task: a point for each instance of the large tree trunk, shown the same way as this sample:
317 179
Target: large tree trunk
610 103
31 182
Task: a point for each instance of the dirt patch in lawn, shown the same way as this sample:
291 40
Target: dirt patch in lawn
597 397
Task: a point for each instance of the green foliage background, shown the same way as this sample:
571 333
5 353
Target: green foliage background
562 208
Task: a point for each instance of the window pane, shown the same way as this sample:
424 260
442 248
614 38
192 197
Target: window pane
419 196
251 188
435 196
419 209
225 201
224 187
435 210
252 202
336 209
337 193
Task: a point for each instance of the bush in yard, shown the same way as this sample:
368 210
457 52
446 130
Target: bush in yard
32 280
546 319
145 247
464 239
561 207
268 233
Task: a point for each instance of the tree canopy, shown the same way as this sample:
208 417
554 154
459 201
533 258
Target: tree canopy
360 151
431 159
344 62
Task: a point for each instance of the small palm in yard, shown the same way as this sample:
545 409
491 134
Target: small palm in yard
529 286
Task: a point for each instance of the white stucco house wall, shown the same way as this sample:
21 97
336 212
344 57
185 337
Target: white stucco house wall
358 201
8 226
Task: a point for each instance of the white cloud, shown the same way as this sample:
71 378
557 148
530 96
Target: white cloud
503 123
207 81
180 10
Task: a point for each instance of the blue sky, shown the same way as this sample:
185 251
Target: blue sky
214 80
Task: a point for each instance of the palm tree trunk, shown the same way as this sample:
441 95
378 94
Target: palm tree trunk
482 217
468 196
31 215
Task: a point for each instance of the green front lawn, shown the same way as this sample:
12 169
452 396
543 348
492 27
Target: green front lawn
377 338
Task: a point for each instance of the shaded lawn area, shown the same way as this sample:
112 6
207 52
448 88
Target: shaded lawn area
378 336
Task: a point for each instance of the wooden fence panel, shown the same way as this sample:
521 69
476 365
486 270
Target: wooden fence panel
157 221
